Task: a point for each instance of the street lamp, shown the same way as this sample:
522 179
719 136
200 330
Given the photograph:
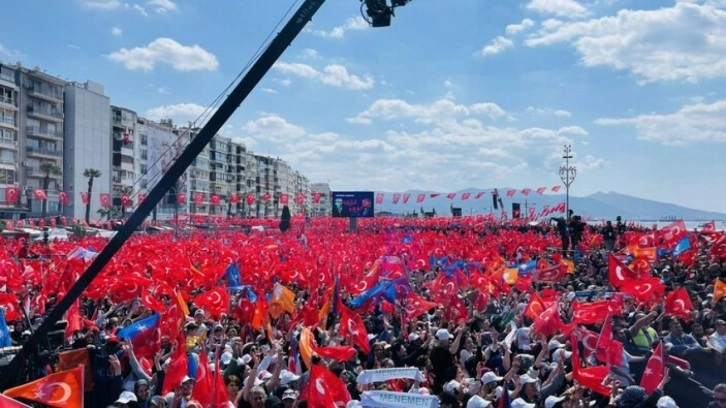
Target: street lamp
567 175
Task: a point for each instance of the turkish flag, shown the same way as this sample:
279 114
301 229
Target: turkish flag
556 189
396 198
465 196
678 304
709 228
125 200
63 197
549 321
204 381
590 313
608 350
11 194
316 197
181 198
39 194
105 199
590 377
198 198
654 371
324 389
420 198
178 368
526 191
535 307
719 247
434 195
234 198
284 199
645 290
672 232
8 402
300 199
215 302
550 274
214 199
511 193
62 390
479 195
10 302
406 197
250 199
618 273
352 327
416 306
541 190
451 196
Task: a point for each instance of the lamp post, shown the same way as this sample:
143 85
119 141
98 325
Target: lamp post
567 175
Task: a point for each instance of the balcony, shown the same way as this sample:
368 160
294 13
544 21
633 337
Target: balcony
45 94
127 151
8 102
8 122
37 151
46 114
37 172
8 143
8 81
44 133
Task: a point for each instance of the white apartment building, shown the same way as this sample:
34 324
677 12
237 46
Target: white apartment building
324 206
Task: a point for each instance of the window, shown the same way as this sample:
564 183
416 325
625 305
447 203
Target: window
144 140
144 154
144 169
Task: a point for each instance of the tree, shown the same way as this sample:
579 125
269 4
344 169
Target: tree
48 168
90 174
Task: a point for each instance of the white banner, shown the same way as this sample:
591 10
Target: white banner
388 399
385 374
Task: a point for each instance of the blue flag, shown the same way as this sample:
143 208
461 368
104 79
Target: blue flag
4 331
137 329
233 275
683 245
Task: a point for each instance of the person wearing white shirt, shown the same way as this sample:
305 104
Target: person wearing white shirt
717 340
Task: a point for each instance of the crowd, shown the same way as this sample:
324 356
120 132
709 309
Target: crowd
444 312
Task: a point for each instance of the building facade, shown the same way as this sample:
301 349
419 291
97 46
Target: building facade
125 164
324 206
87 133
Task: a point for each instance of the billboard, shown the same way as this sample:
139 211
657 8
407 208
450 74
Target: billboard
352 204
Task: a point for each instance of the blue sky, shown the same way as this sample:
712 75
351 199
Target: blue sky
455 94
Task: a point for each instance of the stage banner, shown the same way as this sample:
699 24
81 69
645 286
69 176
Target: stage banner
388 399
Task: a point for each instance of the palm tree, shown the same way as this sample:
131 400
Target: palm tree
91 174
48 168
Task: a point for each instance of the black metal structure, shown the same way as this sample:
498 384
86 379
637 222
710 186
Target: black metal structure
19 369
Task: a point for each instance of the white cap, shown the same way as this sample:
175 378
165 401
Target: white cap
264 375
478 402
554 344
126 397
443 334
424 391
186 378
526 379
489 377
246 359
413 336
226 357
286 377
561 355
257 381
451 386
520 403
289 394
551 401
666 402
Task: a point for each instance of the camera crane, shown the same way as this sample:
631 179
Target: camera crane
20 369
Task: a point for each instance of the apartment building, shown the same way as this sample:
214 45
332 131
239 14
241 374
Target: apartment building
88 145
323 206
302 186
125 170
9 155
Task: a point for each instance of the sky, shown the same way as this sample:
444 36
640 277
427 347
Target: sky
453 95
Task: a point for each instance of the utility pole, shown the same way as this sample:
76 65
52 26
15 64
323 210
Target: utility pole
567 175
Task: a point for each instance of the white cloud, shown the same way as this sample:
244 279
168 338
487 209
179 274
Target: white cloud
269 90
441 110
351 24
561 8
141 10
8 53
274 128
333 75
162 6
696 123
168 51
116 31
497 45
560 113
683 42
514 29
101 4
180 113
590 162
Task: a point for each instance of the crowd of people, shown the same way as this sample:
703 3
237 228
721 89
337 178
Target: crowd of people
443 312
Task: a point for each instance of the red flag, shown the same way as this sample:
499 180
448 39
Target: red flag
590 377
396 197
465 196
379 198
526 191
549 321
416 306
234 198
434 195
63 389
125 200
535 307
550 274
12 194
618 273
39 194
324 389
142 197
654 371
556 189
420 198
8 402
541 190
284 199
300 199
352 327
672 232
214 199
316 197
608 350
63 197
709 228
451 196
406 197
178 367
105 199
645 290
590 313
479 195
678 304
215 301
510 193
198 198
251 199
181 198
203 381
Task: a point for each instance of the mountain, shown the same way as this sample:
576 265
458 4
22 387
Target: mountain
599 205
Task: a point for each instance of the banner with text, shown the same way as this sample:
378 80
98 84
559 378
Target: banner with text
388 399
385 374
